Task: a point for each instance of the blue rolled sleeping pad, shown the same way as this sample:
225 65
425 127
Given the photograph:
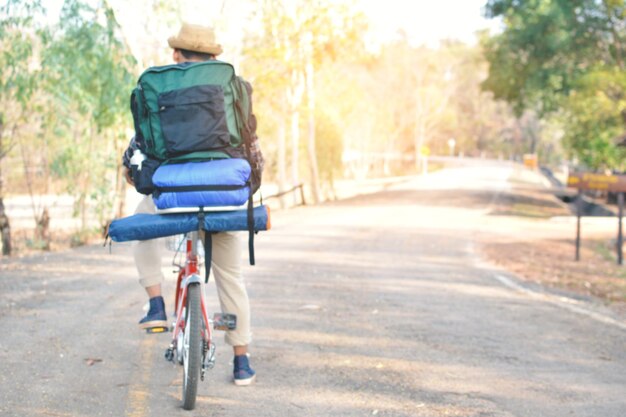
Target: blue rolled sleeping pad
144 226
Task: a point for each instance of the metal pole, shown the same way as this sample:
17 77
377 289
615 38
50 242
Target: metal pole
620 236
579 210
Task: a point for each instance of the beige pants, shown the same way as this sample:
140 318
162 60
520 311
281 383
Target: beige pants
225 267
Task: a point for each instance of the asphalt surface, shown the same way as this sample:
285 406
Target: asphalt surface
375 305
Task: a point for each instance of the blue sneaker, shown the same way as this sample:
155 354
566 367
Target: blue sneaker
244 375
156 317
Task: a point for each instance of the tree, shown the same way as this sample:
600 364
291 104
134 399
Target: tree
89 73
594 115
270 66
329 144
560 58
297 39
20 33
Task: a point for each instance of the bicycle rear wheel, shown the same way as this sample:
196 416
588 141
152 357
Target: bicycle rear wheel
192 347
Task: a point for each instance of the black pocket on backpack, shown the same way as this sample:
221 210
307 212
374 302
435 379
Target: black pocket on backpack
142 178
193 119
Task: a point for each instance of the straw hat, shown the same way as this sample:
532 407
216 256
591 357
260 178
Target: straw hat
195 38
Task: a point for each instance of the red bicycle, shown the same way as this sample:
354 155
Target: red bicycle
192 344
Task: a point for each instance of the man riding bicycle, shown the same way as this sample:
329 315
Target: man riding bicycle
194 44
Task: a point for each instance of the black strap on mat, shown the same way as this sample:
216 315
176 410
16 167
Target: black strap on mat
208 246
186 188
208 254
250 225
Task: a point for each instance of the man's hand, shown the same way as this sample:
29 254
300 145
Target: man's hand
129 178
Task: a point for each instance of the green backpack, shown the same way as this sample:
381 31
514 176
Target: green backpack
195 112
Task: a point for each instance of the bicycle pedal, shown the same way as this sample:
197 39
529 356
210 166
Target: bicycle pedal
224 321
153 330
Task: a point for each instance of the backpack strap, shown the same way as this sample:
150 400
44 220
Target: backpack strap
244 119
135 113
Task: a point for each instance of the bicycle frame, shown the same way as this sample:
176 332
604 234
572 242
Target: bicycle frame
192 344
189 274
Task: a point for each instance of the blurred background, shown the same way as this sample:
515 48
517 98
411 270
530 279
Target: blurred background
345 92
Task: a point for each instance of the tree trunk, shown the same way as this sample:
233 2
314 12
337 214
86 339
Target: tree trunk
85 181
82 209
29 184
5 226
282 160
294 96
43 229
419 143
295 152
121 202
389 155
5 230
310 86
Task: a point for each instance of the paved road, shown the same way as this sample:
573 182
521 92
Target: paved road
377 305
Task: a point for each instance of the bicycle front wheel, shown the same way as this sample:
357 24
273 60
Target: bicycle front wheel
192 347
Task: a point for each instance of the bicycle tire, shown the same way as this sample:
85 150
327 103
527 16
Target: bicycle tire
192 353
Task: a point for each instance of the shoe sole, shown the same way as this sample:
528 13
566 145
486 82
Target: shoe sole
244 382
153 323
